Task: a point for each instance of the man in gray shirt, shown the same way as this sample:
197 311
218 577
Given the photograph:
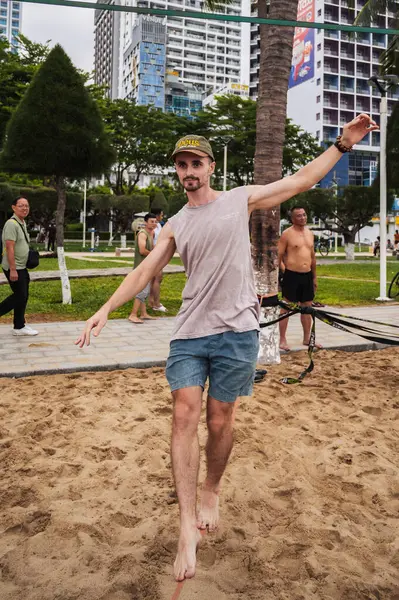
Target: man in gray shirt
216 330
15 255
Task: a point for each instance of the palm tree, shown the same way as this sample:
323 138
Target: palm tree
389 62
274 70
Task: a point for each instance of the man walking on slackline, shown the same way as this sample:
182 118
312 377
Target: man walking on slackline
216 330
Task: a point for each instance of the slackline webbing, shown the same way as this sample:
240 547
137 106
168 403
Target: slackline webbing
342 322
215 16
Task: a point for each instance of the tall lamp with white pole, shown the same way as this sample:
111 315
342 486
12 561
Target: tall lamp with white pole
225 164
383 83
84 212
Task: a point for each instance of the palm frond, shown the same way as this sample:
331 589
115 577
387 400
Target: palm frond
373 8
217 5
389 62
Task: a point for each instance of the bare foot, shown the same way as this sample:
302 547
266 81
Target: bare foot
317 346
135 320
208 513
284 346
148 318
184 565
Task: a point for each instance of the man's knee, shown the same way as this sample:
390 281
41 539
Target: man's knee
186 411
220 422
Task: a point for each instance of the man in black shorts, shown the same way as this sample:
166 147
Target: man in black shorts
297 262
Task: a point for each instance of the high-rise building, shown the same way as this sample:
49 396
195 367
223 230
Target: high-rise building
231 89
10 21
144 60
205 53
182 99
329 82
107 47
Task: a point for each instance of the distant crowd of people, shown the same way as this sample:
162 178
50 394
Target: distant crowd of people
14 257
394 247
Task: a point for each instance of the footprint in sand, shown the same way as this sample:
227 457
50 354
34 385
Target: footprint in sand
102 453
372 410
124 520
33 523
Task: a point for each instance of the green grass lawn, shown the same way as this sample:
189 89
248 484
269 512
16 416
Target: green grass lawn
339 285
51 264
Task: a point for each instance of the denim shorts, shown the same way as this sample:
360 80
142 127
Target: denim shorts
228 359
143 295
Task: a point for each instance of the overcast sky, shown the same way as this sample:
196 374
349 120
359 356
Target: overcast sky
70 27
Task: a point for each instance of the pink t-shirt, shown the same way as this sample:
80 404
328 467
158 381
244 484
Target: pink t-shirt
213 243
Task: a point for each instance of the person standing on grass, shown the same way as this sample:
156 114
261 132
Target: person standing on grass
154 300
143 245
216 330
297 264
15 242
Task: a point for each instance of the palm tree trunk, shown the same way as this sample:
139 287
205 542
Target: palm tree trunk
60 217
274 70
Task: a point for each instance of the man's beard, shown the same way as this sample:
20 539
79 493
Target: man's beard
192 184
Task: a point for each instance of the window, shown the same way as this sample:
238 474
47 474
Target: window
318 81
318 46
318 134
319 12
318 99
318 117
318 64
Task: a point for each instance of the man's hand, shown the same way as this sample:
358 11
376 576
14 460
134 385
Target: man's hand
315 284
96 322
13 275
357 129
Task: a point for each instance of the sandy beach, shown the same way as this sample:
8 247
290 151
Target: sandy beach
309 506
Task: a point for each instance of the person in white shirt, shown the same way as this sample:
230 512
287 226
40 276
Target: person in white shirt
154 300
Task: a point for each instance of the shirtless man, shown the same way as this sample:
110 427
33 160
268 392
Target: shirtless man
297 262
216 330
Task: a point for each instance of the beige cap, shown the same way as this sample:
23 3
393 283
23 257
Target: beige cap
196 144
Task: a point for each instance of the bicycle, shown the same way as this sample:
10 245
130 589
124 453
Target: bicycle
393 291
322 246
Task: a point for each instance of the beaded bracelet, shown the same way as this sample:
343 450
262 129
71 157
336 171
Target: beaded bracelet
341 147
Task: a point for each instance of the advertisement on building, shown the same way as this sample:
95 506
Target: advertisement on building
303 54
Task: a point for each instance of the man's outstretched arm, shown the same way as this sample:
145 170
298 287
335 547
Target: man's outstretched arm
132 284
263 197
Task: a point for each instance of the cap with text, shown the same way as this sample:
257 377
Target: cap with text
196 144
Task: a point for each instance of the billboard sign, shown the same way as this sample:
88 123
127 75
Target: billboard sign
303 54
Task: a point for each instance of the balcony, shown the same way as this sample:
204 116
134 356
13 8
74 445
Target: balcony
363 38
331 86
346 70
331 66
330 50
378 40
363 105
331 34
363 90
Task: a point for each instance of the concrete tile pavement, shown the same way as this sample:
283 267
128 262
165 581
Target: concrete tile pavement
123 344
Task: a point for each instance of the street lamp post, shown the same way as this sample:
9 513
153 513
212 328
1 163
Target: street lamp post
228 140
84 212
225 168
382 84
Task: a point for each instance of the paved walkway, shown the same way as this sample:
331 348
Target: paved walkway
88 273
122 344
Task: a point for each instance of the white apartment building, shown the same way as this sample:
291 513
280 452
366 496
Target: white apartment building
329 82
234 89
10 20
205 53
107 47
